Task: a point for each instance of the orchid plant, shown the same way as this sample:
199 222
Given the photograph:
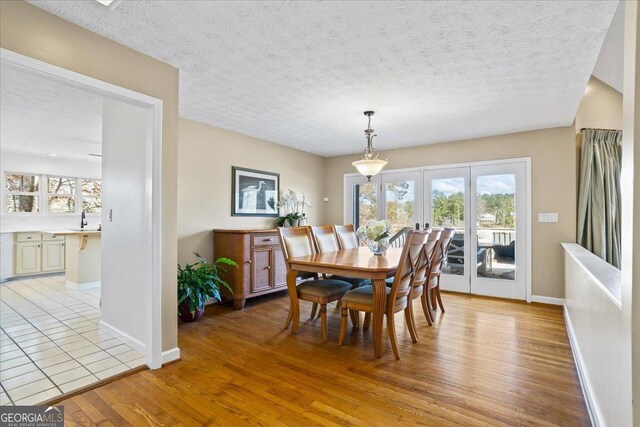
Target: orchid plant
292 208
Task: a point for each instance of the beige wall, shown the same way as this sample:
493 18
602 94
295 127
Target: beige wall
205 157
30 31
601 107
552 153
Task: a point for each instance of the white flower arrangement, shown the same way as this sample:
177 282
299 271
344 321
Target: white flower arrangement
291 204
374 231
292 209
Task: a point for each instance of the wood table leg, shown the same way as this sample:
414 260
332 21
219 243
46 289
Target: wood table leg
379 303
293 295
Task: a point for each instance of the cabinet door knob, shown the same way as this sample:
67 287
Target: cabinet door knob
249 262
268 267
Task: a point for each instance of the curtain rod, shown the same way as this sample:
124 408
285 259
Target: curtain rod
617 130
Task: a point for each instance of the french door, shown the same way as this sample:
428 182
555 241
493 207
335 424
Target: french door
446 205
395 196
487 207
486 204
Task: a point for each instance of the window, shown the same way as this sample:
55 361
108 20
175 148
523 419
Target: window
91 195
61 194
58 194
22 193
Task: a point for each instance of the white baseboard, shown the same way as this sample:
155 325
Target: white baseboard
587 390
170 355
137 345
547 300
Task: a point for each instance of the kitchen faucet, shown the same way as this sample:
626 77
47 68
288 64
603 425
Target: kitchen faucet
83 221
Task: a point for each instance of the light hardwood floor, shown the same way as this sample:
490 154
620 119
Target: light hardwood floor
485 362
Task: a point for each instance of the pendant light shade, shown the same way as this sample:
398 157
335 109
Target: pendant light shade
369 168
369 164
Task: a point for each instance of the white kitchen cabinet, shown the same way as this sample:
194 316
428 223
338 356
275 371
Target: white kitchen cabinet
37 253
52 255
28 257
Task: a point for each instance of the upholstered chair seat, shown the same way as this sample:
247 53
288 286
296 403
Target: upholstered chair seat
362 296
356 282
326 288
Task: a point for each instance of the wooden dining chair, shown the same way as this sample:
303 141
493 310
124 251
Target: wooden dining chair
296 242
425 266
424 269
347 237
440 255
398 296
326 240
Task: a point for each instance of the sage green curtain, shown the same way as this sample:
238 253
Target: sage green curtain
599 219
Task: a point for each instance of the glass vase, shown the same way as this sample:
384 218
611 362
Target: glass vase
379 247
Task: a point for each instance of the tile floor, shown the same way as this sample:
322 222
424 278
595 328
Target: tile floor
51 342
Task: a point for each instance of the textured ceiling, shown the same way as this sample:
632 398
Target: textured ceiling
301 73
41 116
610 64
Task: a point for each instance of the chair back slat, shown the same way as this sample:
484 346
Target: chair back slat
325 239
296 242
425 262
440 253
347 237
411 253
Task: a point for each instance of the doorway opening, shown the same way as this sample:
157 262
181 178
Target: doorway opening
79 231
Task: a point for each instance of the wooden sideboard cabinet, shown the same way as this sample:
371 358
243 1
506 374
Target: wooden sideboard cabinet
261 265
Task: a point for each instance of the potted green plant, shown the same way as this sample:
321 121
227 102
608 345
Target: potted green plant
197 284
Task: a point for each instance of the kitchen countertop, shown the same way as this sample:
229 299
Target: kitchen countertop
56 231
73 232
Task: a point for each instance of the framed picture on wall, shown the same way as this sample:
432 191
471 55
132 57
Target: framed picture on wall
254 192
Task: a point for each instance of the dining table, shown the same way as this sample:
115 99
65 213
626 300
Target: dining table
360 263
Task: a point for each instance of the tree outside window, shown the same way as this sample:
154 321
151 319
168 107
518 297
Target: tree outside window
22 193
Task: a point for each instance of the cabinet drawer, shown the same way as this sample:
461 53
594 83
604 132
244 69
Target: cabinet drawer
28 237
265 240
50 237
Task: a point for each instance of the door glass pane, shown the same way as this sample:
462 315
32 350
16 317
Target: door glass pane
400 200
447 199
496 225
365 203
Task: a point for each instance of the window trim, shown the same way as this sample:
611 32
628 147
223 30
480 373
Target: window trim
43 194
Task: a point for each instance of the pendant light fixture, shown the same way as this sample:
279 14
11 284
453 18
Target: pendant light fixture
369 165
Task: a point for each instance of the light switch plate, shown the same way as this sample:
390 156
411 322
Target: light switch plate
547 217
